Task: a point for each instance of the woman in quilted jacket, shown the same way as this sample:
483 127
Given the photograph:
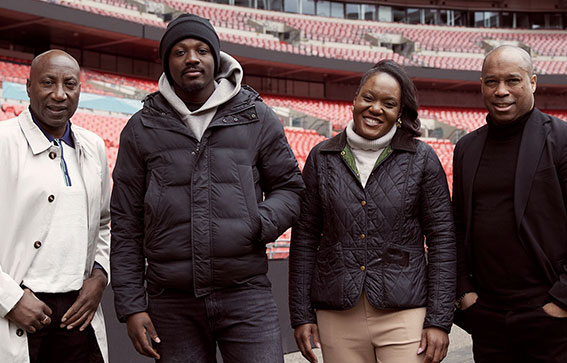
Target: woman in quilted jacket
373 259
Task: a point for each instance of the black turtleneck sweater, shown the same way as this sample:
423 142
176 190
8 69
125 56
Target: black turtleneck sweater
506 274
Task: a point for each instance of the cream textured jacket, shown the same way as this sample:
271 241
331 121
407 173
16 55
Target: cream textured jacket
30 179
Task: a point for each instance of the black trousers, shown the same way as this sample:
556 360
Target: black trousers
516 336
53 344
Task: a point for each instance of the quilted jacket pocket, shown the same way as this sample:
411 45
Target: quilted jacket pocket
328 278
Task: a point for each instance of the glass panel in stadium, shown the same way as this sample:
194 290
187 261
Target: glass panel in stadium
291 6
308 7
399 14
323 8
369 11
245 3
337 10
385 13
352 11
414 16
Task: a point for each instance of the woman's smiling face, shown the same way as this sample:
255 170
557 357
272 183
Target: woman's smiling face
377 106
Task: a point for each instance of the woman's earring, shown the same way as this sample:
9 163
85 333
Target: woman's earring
399 122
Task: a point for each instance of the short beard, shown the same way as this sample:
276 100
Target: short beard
193 87
191 92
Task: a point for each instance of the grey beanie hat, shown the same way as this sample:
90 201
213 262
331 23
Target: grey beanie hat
188 26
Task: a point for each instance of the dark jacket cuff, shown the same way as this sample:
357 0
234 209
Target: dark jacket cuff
99 266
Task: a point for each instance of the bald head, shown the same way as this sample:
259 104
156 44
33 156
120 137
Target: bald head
46 58
523 58
53 88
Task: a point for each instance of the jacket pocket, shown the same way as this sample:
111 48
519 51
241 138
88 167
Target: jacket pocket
248 190
152 201
328 278
405 276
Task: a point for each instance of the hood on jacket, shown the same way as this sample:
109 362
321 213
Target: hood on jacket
227 85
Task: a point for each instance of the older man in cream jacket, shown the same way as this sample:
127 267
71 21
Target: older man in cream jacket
54 216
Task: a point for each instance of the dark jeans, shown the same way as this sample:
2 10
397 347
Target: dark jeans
243 321
53 344
528 336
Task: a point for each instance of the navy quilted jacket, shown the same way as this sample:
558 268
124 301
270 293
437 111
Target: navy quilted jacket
349 238
199 212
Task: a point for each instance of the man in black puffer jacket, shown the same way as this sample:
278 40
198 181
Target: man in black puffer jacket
203 180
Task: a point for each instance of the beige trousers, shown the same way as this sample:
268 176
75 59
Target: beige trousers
365 334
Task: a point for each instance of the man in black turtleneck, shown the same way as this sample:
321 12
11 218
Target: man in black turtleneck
510 208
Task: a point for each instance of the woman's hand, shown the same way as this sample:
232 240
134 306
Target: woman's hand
302 334
434 342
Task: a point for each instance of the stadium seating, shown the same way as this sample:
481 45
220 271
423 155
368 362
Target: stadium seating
338 113
435 46
301 142
467 119
427 37
114 8
436 61
17 71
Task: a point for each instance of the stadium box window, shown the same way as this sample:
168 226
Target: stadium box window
523 20
431 16
385 14
244 3
337 10
478 19
554 21
507 20
459 18
442 17
323 8
491 19
291 6
301 89
413 16
269 4
352 11
369 12
308 7
108 62
398 15
537 20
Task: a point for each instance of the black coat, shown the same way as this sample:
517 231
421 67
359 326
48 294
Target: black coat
349 238
540 200
200 212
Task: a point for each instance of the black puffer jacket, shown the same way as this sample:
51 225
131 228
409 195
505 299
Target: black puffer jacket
349 238
199 212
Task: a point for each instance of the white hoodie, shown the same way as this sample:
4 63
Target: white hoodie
227 85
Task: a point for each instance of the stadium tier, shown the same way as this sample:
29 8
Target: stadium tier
114 8
434 46
460 63
17 71
428 37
